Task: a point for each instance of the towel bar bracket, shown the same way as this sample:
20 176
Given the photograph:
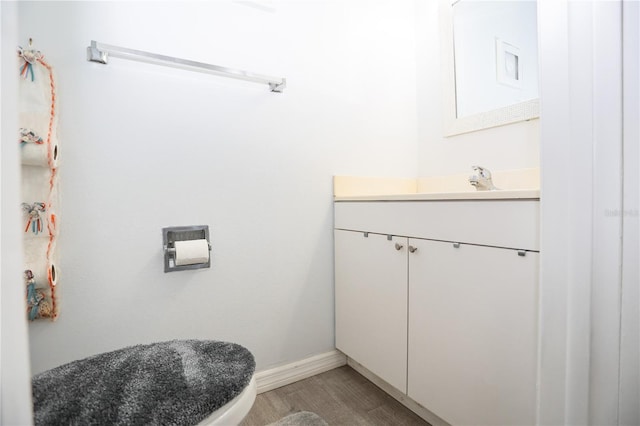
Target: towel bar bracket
278 87
96 55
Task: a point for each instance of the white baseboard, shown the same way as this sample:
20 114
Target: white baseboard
290 373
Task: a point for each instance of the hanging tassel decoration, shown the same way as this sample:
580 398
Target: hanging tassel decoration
30 57
29 136
34 220
34 296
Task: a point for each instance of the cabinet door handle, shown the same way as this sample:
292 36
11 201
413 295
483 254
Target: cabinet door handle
399 246
413 249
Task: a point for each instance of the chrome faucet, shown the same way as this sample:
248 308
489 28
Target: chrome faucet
482 180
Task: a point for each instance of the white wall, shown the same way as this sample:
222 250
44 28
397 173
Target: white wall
513 146
143 147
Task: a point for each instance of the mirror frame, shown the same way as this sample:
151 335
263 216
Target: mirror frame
522 111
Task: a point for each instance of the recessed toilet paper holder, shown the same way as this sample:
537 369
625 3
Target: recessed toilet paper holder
183 233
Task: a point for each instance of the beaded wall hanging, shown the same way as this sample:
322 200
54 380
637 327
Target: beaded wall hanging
39 157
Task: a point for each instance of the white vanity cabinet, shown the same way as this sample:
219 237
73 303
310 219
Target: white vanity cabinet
449 318
472 333
371 303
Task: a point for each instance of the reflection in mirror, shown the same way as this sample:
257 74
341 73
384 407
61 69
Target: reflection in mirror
495 47
489 63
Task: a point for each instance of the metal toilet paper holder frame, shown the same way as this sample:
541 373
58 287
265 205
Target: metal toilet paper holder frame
183 233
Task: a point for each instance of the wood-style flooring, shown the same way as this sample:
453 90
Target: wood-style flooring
340 396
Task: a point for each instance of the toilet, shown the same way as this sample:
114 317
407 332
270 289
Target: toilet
187 382
235 410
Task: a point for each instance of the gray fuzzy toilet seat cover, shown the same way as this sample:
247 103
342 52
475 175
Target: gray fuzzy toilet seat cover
180 382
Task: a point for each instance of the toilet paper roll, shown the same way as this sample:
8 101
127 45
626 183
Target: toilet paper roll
191 252
39 184
35 94
45 271
34 154
39 144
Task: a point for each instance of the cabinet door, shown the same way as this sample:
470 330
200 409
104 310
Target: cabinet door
473 332
371 303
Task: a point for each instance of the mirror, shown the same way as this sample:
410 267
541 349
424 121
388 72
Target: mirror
489 63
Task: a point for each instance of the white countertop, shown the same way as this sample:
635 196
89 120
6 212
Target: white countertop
528 194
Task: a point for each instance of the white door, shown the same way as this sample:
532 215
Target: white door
371 303
472 333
